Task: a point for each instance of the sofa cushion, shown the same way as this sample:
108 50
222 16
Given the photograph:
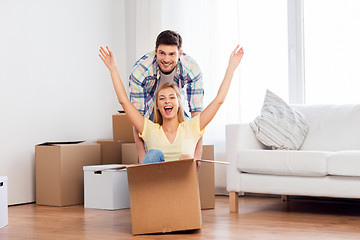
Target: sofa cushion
279 126
331 127
344 163
283 162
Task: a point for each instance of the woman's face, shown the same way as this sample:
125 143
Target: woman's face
168 103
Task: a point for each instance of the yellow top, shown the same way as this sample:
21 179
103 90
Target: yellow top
187 136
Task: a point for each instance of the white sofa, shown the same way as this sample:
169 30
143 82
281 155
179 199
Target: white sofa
327 164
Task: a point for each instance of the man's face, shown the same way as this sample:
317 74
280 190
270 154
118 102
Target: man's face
167 57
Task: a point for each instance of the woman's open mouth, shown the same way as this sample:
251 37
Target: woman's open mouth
168 109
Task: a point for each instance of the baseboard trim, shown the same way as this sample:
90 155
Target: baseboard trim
221 191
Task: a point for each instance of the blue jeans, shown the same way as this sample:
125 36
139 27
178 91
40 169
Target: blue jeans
153 156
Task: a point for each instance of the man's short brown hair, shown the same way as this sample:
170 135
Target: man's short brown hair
169 37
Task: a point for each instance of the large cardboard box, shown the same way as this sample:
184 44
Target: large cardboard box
3 202
106 188
59 171
129 154
206 179
164 197
122 128
110 151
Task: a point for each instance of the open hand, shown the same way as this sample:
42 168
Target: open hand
235 57
107 57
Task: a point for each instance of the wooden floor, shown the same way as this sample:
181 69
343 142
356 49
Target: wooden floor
258 218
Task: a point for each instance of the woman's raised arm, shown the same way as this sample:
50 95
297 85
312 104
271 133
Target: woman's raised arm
133 114
210 111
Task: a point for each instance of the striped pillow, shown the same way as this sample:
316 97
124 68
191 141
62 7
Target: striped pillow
279 126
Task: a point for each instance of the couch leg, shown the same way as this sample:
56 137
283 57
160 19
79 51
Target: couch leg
284 198
233 201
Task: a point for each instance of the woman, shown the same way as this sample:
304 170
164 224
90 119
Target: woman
170 137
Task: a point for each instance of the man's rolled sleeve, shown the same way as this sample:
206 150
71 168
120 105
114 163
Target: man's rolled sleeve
195 93
193 78
137 94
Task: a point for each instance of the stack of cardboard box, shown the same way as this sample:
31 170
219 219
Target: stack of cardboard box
121 148
59 165
183 192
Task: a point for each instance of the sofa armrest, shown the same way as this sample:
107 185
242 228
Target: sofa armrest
238 137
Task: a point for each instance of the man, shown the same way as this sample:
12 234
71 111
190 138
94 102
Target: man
168 63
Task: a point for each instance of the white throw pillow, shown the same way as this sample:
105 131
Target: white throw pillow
279 126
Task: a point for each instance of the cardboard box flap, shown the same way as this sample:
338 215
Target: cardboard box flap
59 143
212 161
121 166
99 168
204 160
161 164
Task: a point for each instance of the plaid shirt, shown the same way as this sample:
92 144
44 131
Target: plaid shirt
145 78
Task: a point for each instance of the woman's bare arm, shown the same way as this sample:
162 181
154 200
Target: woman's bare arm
210 111
133 114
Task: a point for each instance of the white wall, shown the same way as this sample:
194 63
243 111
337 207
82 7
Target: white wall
53 86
